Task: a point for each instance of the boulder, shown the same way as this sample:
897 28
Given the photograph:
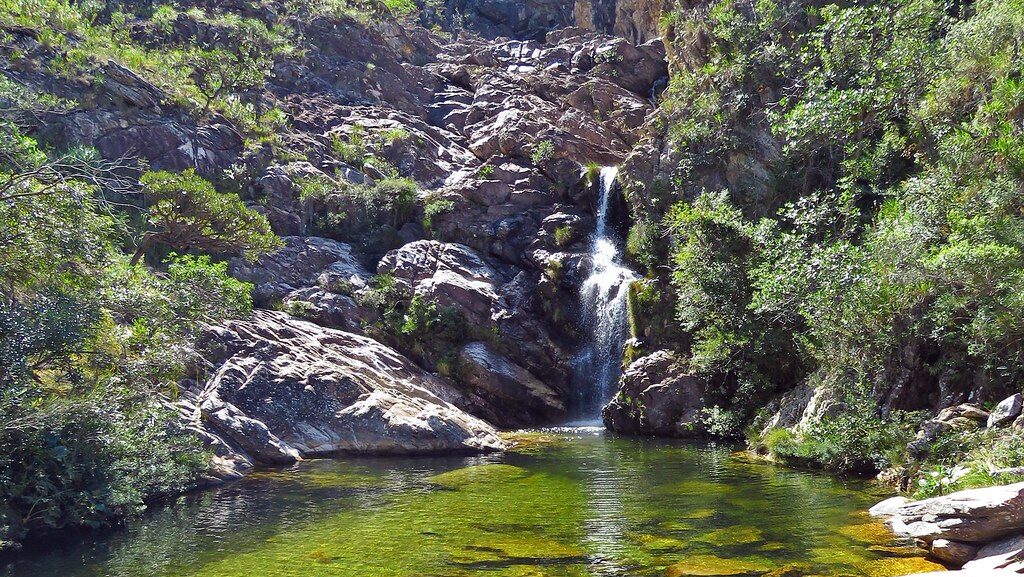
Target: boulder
300 263
285 388
1006 411
952 552
448 274
971 516
966 411
888 507
1002 555
333 310
510 396
656 397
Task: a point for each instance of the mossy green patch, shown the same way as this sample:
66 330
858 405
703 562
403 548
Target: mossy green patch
741 535
532 442
895 566
713 566
479 475
661 544
872 532
324 479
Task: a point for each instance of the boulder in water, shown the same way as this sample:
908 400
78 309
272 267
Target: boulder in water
952 552
656 396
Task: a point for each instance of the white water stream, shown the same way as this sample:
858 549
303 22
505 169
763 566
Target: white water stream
603 309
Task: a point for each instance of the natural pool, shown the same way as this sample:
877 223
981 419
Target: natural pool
563 503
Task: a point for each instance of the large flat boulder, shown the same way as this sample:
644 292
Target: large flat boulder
971 516
285 388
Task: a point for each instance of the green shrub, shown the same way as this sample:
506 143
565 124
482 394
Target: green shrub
351 149
187 213
434 207
542 151
92 348
855 439
563 236
966 459
593 174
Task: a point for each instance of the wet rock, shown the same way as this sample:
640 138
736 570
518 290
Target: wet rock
656 397
1006 411
285 388
971 516
952 552
510 396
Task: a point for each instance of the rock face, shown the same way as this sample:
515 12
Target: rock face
509 396
636 20
453 275
495 128
286 388
656 397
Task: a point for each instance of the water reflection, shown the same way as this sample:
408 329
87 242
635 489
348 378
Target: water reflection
568 502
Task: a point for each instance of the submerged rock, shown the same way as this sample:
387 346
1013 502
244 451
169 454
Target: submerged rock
285 388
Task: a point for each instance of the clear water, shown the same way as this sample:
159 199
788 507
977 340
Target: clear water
603 296
568 502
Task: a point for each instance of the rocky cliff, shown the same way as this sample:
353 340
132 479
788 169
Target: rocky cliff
487 124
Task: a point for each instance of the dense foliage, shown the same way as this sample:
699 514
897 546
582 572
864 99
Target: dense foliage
846 207
91 346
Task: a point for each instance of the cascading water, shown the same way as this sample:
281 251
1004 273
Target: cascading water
603 308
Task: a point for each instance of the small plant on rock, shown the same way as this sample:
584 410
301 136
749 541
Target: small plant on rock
542 151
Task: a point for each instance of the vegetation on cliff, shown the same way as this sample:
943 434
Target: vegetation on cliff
92 347
844 207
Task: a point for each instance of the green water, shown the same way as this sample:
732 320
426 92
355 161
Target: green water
564 503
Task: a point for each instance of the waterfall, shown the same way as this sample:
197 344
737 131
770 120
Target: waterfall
603 310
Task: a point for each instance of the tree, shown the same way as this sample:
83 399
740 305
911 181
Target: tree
187 213
218 72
